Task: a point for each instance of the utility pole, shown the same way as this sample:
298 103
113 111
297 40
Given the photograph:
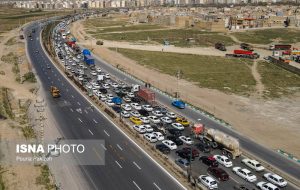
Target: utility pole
178 75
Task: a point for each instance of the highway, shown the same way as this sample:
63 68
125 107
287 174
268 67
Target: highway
273 158
126 165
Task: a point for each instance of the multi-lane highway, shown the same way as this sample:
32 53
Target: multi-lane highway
126 165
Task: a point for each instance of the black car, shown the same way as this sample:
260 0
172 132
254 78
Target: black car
203 147
117 109
175 139
185 155
163 148
143 112
219 173
157 128
209 160
162 110
136 100
174 132
103 90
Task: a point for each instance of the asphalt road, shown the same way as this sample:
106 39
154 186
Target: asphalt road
126 166
273 158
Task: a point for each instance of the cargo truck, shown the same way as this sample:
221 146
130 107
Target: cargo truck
220 46
280 47
246 46
146 95
54 92
243 54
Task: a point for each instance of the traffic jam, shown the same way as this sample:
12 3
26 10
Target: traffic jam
214 158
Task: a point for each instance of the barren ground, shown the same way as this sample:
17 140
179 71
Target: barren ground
264 121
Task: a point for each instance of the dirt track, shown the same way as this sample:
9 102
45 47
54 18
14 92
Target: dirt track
263 121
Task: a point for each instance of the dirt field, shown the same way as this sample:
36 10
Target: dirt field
264 121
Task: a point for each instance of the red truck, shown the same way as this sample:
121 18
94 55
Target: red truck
280 47
243 54
146 95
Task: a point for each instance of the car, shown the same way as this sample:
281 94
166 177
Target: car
160 129
98 94
135 114
97 68
166 120
170 144
178 104
135 120
136 106
182 162
102 97
275 179
218 173
171 115
106 86
125 114
266 186
136 100
204 147
157 113
127 99
208 181
117 109
177 126
195 152
103 90
109 102
147 107
150 137
140 129
154 119
148 128
185 155
143 112
223 160
145 120
109 96
175 139
175 132
73 64
107 76
209 160
186 140
159 136
244 173
253 164
161 109
183 121
126 107
68 68
130 95
96 85
163 148
115 85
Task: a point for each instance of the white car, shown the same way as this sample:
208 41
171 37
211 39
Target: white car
266 186
186 140
98 94
130 95
73 64
126 99
150 137
159 136
107 76
208 181
139 128
166 120
109 102
126 107
98 69
177 126
125 114
145 120
106 86
96 85
102 97
94 90
154 119
135 114
253 164
115 85
223 160
275 179
157 113
148 128
147 107
80 78
171 115
68 68
170 144
244 173
136 106
109 96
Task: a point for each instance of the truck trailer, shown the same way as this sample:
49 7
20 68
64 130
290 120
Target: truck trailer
243 54
146 95
280 47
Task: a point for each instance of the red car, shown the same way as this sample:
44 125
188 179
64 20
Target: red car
209 160
195 152
219 173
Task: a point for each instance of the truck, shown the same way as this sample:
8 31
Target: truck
243 54
229 145
146 95
54 92
220 46
100 77
280 47
247 47
89 60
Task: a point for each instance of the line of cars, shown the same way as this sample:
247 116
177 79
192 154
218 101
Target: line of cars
158 125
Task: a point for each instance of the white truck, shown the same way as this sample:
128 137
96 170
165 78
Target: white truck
100 77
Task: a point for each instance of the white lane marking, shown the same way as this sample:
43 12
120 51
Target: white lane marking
71 109
103 146
72 96
137 166
119 147
86 111
80 120
136 185
106 133
95 121
91 132
78 103
234 179
118 164
156 186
